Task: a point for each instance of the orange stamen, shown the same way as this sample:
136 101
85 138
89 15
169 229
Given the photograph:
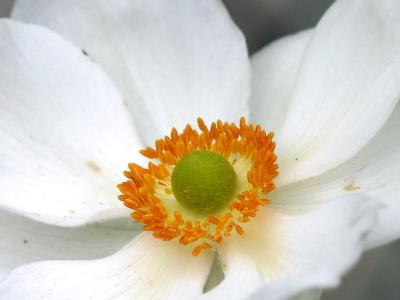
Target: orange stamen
138 193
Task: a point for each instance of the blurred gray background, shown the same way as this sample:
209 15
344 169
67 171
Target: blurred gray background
377 275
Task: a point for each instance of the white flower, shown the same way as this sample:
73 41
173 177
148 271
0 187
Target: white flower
67 131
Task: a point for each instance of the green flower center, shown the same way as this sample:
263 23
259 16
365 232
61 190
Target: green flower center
203 182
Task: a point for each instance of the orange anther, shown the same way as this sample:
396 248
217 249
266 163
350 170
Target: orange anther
149 153
196 251
239 229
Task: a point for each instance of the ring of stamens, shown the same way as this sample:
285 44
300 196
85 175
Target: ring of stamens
148 190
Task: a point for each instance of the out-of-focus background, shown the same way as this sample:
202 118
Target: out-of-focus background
377 275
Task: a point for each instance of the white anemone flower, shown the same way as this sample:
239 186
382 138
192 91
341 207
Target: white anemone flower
93 82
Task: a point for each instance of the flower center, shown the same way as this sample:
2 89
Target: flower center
206 185
204 182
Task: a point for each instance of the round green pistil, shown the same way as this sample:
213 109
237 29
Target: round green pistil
204 182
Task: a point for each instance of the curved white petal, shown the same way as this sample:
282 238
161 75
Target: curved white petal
348 84
66 135
374 171
306 286
241 275
24 241
173 60
147 268
276 246
274 74
293 288
313 294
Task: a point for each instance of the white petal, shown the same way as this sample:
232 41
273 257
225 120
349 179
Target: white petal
306 286
173 60
348 84
66 135
241 275
374 171
313 294
24 241
274 73
279 246
147 268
